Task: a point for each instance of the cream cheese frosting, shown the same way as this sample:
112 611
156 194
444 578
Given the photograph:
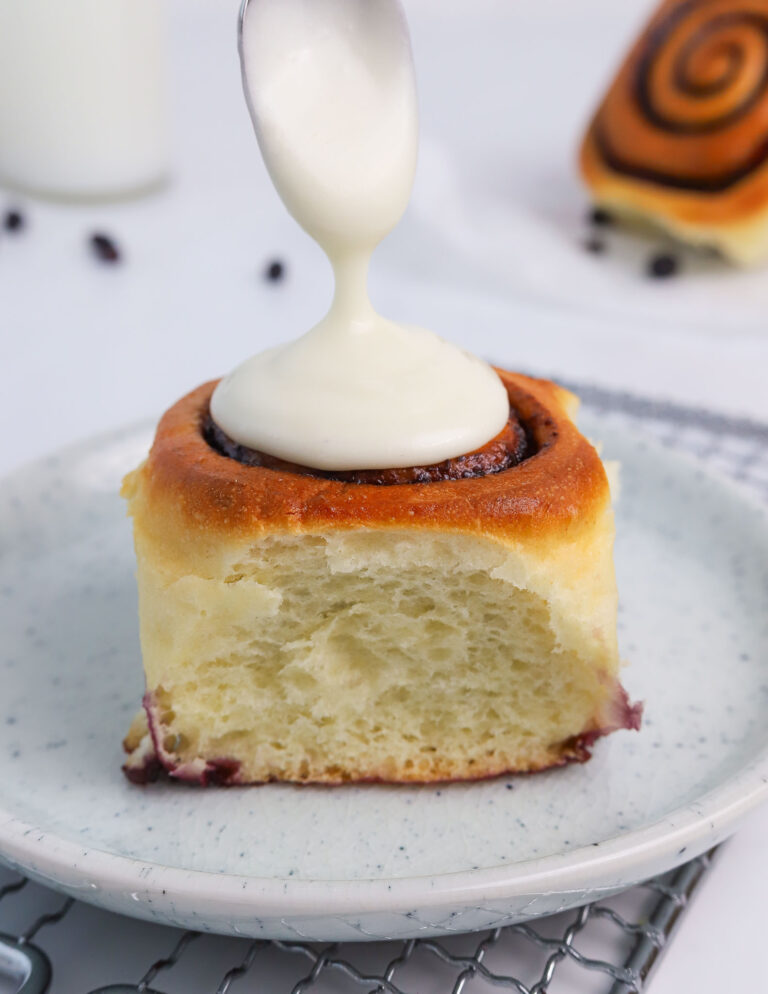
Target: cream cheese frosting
331 89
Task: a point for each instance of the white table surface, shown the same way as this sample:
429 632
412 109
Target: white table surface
488 254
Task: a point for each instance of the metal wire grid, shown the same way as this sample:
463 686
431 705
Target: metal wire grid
554 955
734 447
610 947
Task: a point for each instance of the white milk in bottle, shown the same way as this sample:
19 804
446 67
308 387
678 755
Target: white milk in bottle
82 96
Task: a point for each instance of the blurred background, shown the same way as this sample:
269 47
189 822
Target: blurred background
490 253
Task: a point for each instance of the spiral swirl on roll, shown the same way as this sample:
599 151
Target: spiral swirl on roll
689 110
509 448
696 78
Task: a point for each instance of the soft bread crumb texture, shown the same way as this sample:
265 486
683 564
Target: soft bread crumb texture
378 655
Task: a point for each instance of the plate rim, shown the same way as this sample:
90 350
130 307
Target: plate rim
621 861
160 884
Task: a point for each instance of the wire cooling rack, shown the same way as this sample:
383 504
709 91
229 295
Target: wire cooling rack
605 948
611 947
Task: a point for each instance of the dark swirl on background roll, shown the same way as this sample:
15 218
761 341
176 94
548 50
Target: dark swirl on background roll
706 40
702 69
686 81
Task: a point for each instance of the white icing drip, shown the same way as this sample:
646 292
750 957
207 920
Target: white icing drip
331 89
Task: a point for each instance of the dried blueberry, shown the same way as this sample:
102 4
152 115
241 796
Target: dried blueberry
104 248
663 265
13 220
274 271
600 217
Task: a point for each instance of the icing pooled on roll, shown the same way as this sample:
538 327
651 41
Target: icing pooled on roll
330 86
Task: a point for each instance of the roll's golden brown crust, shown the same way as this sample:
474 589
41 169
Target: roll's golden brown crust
191 486
681 137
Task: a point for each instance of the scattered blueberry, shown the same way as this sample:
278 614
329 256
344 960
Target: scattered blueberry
275 271
104 248
663 265
600 217
595 245
13 220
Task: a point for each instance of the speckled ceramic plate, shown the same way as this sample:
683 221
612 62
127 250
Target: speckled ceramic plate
374 861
